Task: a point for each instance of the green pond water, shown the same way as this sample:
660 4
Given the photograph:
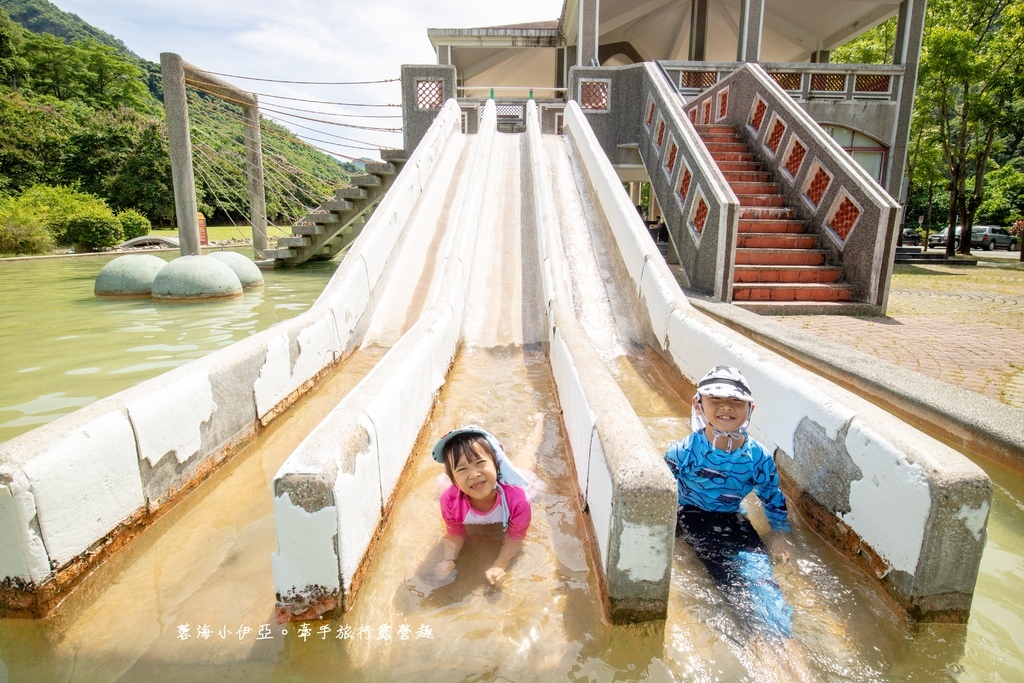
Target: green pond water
62 348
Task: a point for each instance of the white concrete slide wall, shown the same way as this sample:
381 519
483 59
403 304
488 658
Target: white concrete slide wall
333 491
910 510
630 493
69 488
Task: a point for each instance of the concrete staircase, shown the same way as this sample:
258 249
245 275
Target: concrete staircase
776 256
332 226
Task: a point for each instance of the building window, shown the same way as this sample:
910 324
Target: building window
868 152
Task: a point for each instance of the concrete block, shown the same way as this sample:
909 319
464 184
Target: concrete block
193 413
327 508
23 558
576 414
168 416
409 377
297 351
84 477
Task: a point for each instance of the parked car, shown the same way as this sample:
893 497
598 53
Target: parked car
989 237
911 237
938 239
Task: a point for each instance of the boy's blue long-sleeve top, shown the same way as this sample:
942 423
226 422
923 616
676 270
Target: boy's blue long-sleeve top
715 480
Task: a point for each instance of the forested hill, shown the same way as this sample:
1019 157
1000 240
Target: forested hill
40 16
79 109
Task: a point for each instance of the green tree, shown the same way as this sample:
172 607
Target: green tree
970 70
1004 196
874 46
12 66
53 67
110 80
34 139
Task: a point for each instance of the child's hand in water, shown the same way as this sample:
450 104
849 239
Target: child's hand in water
444 568
495 575
781 547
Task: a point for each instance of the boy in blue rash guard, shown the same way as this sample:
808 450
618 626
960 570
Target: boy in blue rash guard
715 467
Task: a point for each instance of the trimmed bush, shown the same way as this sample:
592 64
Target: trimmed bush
56 204
94 228
133 224
22 230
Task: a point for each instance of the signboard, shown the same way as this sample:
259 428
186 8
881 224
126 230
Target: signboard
201 219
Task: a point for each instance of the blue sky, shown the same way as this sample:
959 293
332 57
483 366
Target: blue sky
302 40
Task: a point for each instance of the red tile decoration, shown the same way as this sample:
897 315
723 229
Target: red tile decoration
845 218
684 184
707 112
701 216
429 94
796 157
723 104
818 186
661 133
788 80
693 116
698 79
670 162
776 136
758 116
828 82
594 95
559 123
872 83
650 114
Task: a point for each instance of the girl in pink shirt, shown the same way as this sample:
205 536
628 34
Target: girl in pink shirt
486 489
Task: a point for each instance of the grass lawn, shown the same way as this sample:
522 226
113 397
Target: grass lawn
221 233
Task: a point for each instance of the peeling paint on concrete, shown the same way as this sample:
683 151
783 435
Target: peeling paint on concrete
22 555
643 553
271 385
891 503
299 562
974 519
85 484
168 419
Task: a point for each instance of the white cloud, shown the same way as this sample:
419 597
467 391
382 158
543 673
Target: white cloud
303 40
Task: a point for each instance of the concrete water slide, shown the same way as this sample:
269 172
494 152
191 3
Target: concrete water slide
484 241
530 239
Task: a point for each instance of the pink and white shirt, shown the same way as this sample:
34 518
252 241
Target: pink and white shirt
457 512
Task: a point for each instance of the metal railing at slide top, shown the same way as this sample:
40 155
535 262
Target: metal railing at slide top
510 101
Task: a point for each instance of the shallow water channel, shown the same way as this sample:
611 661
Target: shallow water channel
203 572
61 347
192 598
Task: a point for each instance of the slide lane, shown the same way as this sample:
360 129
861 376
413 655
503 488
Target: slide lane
704 634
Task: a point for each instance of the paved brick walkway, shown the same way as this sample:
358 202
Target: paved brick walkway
961 325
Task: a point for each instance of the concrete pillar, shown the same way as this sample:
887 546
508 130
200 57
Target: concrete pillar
698 31
748 47
654 210
444 54
172 71
254 176
821 56
909 34
634 193
589 15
